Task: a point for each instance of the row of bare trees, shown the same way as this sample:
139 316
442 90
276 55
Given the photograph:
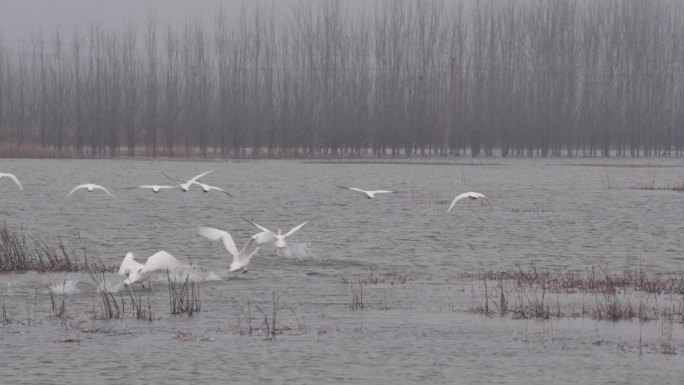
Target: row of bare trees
509 77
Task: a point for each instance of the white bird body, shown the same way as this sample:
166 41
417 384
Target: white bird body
185 186
156 188
240 258
206 188
470 195
90 187
266 235
137 272
370 194
13 177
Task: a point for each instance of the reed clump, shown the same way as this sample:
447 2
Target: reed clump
184 296
535 294
597 280
269 327
109 306
373 279
17 253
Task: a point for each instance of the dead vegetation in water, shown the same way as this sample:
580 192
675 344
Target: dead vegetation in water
19 253
679 188
597 279
269 327
595 293
184 296
374 279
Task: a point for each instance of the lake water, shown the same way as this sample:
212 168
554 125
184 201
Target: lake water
552 214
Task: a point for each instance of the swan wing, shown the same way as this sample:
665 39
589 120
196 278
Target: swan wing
161 260
76 188
262 228
97 186
292 231
129 264
219 235
194 178
458 198
14 178
173 180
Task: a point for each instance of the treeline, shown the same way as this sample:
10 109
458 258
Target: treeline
400 78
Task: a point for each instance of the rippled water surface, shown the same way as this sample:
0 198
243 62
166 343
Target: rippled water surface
553 214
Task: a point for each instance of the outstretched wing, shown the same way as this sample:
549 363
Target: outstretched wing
76 188
298 227
161 260
97 186
173 180
14 178
194 178
262 228
219 189
381 192
352 188
219 235
458 198
129 264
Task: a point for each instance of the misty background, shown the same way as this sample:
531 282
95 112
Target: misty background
335 78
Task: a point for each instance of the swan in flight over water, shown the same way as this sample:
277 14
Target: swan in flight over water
137 272
13 177
240 258
156 188
90 187
266 235
369 194
470 195
186 185
206 188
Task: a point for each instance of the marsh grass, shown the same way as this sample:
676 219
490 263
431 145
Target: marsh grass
373 279
109 306
140 311
184 296
594 280
356 297
269 327
679 187
17 253
57 311
530 294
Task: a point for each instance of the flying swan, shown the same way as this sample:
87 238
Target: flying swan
266 235
137 272
370 194
13 177
470 195
240 258
90 187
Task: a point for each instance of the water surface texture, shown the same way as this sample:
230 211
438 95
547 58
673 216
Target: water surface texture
555 214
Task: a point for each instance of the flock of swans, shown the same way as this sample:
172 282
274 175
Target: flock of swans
163 261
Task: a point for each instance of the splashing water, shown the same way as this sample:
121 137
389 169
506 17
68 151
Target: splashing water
67 286
296 251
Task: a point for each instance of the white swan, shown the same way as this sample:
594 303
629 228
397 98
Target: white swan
90 187
240 258
186 185
13 177
370 194
137 272
266 235
471 195
206 188
156 188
